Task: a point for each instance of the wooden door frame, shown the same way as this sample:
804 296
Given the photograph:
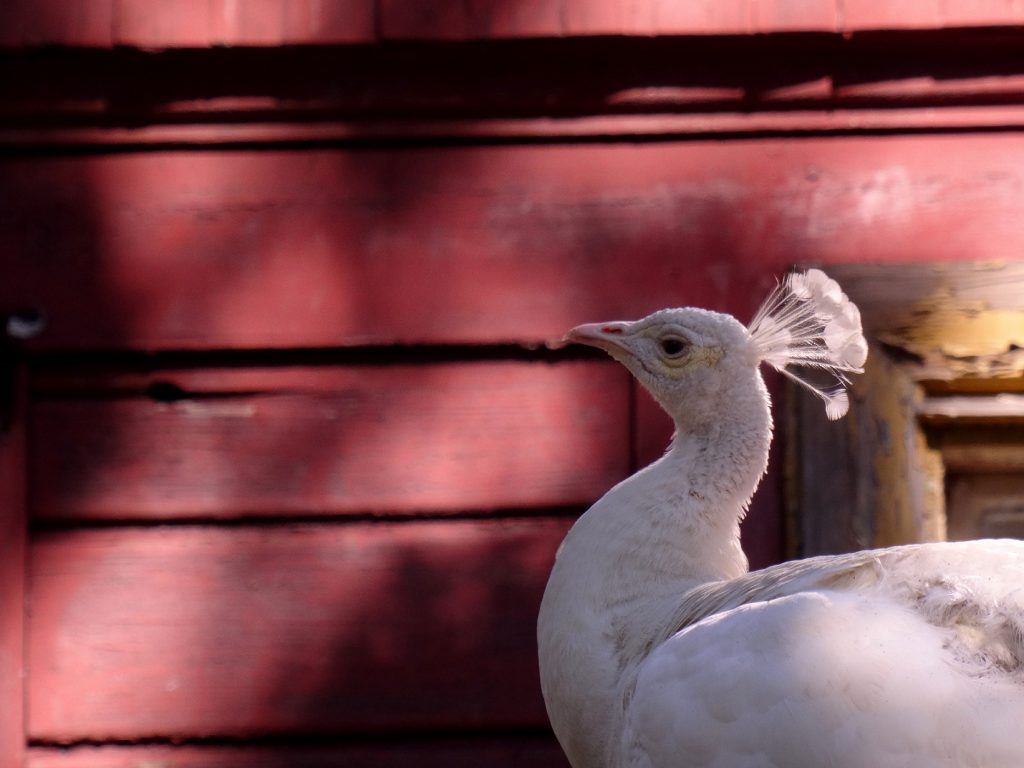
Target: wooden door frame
936 332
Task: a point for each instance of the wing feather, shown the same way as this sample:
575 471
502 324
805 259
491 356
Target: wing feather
908 656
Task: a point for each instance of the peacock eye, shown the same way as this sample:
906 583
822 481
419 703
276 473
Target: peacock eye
673 346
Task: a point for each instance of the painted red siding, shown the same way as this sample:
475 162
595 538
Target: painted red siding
13 559
161 24
292 459
401 439
254 631
481 245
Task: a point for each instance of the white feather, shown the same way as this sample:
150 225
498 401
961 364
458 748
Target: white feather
659 650
876 659
808 321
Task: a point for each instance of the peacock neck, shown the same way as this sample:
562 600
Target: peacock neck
626 563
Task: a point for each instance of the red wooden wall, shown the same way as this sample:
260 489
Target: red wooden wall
284 475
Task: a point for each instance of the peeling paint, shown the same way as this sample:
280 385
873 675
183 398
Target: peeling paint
960 329
958 320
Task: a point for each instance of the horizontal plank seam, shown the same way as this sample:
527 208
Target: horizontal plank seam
880 95
51 525
844 30
466 735
23 145
399 354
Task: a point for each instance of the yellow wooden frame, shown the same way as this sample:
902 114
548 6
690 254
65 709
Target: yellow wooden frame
942 383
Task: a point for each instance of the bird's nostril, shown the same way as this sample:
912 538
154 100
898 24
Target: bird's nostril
612 329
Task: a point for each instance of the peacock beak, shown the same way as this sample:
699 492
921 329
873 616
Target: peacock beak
611 337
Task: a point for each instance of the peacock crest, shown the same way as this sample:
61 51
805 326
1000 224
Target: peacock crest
807 321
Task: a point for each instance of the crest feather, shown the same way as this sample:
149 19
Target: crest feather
808 321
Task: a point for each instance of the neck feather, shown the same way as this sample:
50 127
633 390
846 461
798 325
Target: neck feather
628 561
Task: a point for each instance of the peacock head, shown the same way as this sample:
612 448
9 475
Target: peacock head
690 359
681 356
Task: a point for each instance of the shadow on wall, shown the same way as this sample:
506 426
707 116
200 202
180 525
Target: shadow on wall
313 628
255 630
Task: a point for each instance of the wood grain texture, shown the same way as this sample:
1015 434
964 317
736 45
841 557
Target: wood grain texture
978 448
958 320
520 752
1004 408
205 133
873 479
982 505
168 24
240 631
30 23
320 23
475 19
13 534
323 248
365 439
191 23
929 14
550 87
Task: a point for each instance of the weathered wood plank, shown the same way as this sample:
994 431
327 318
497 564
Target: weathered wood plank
978 448
960 320
871 479
194 631
955 329
479 244
928 14
1004 408
983 506
165 24
706 125
29 23
190 23
521 752
479 19
345 93
363 439
13 531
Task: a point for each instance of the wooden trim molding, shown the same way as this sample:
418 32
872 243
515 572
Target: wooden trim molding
938 395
